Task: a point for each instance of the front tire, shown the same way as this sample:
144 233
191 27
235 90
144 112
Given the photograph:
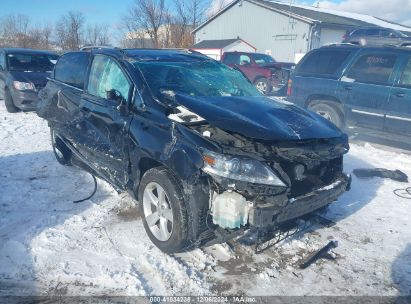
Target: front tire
163 210
62 153
8 101
327 111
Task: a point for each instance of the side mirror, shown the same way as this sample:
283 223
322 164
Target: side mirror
121 103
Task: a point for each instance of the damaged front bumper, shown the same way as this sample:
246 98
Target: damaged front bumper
299 206
266 214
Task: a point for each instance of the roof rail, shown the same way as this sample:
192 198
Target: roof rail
98 47
404 47
340 44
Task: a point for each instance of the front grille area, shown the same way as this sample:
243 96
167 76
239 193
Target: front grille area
39 87
315 174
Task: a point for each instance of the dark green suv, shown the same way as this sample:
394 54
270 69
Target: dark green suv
356 86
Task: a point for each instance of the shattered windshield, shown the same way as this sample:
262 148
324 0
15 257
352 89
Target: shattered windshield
195 78
31 62
262 59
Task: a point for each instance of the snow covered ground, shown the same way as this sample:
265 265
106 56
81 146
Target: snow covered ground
50 246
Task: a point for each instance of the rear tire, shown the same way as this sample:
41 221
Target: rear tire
262 85
328 111
62 153
164 214
8 101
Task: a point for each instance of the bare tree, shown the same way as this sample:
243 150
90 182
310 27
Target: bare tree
97 34
40 36
198 9
188 15
147 16
15 30
215 7
70 30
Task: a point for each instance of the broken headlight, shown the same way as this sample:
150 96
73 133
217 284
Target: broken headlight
239 168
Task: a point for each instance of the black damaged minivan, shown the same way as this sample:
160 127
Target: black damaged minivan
205 153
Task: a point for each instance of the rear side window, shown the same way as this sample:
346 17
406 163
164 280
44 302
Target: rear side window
358 32
245 59
388 34
405 80
372 32
373 68
71 68
231 59
325 62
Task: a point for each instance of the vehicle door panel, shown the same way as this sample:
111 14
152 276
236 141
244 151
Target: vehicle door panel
70 121
366 86
106 128
398 107
105 131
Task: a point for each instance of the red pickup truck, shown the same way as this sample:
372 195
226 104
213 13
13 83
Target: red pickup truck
261 69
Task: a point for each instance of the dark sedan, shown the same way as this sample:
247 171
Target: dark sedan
23 72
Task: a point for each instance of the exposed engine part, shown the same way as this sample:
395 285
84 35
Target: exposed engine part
206 133
322 253
230 210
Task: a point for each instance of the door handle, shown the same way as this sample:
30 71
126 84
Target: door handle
348 88
400 94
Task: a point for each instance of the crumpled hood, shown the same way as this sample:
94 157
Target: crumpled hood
37 78
260 117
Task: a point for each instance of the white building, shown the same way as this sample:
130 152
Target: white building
216 48
285 31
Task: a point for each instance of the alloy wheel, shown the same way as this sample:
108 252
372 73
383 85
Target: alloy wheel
157 211
261 86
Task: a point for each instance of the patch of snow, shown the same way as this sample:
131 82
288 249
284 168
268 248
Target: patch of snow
48 245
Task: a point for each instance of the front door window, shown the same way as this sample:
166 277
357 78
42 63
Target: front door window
106 76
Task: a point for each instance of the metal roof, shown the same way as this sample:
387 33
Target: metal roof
314 15
304 13
214 44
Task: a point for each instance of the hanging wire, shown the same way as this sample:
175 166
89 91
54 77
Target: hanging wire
92 194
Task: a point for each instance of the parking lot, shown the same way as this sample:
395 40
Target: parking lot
50 246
